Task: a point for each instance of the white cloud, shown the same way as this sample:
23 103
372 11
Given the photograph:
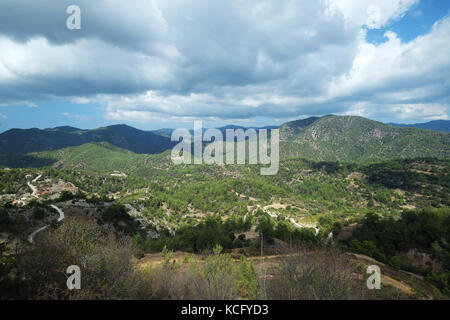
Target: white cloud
235 59
77 117
41 70
427 111
21 103
373 14
402 74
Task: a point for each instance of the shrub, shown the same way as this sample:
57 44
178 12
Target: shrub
5 220
38 213
105 261
115 212
322 276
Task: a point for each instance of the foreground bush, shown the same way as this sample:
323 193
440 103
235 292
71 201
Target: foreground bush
105 261
320 276
220 277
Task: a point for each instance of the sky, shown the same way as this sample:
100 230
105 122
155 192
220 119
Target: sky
165 63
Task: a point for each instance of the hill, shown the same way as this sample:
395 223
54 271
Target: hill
168 132
328 138
100 157
194 208
22 141
350 138
436 125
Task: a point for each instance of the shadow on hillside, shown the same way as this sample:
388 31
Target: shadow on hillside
402 174
25 161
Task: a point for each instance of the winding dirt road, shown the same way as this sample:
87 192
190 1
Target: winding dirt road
61 213
61 218
35 194
31 236
295 223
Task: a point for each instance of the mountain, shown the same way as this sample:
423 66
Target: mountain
165 132
295 128
98 157
437 125
328 138
22 141
168 132
350 138
233 127
64 129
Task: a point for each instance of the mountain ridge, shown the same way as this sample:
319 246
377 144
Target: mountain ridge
23 141
352 138
327 138
435 125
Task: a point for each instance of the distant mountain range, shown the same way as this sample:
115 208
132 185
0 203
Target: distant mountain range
328 138
168 132
21 141
436 125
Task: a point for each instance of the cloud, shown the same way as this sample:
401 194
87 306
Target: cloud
77 117
430 111
155 60
398 78
370 13
254 44
21 103
138 26
37 69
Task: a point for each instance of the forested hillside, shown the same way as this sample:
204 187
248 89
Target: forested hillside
393 210
329 138
20 141
195 208
349 138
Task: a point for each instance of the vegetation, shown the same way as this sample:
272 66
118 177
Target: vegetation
322 276
123 207
349 138
426 230
20 141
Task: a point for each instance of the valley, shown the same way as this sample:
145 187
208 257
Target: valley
175 222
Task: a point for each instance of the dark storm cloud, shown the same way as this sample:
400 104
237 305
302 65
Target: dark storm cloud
135 25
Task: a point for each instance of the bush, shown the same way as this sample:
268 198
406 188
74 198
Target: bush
38 213
65 196
105 261
368 248
322 276
441 280
337 227
5 220
395 263
266 226
218 279
115 213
